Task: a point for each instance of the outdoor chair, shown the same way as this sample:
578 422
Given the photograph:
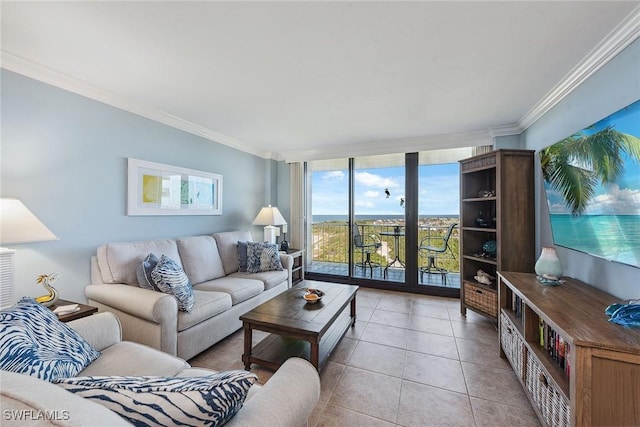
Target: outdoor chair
367 246
434 250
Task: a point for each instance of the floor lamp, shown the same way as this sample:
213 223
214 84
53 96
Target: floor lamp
270 217
17 225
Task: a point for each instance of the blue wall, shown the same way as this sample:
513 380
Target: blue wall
613 87
64 156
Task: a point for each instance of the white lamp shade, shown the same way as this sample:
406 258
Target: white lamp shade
19 225
269 216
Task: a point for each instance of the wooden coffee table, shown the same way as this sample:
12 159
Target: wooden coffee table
298 328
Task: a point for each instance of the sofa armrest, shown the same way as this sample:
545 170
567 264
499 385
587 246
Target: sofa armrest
147 317
101 330
287 264
142 303
287 399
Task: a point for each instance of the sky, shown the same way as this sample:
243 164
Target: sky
439 190
623 196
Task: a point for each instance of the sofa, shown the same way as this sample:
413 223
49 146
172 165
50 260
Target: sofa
221 292
286 399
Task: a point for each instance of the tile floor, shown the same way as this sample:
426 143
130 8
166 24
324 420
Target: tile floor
411 360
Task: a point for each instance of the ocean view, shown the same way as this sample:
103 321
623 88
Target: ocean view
325 218
613 237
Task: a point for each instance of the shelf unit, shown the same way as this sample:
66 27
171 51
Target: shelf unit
497 204
297 270
575 366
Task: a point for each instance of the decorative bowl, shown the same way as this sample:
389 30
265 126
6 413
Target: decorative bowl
312 295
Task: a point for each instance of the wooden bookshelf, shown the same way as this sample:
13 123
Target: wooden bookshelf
575 366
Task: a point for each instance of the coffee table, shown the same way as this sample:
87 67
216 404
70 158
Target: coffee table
298 328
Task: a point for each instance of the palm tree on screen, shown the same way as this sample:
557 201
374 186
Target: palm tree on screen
577 164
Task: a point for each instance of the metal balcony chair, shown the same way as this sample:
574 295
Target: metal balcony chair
433 251
367 246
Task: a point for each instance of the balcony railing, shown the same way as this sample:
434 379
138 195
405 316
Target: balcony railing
330 242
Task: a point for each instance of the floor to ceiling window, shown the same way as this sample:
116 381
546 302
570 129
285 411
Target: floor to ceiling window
368 217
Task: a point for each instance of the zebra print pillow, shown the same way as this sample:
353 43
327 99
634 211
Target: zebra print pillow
34 342
160 401
171 279
262 257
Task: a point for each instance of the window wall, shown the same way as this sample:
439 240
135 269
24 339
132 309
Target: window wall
368 216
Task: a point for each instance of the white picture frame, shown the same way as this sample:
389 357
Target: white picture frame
159 189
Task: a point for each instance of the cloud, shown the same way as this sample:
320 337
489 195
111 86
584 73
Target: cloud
371 194
334 176
368 179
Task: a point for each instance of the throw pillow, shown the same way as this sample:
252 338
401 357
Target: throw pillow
34 342
171 279
160 401
262 257
144 272
242 256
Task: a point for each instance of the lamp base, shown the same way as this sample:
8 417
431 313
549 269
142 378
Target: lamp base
270 233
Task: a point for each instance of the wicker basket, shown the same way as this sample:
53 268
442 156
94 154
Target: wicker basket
481 298
512 344
551 403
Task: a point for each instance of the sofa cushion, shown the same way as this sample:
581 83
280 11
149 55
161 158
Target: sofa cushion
240 289
143 272
200 258
270 279
228 246
263 257
207 304
160 401
130 358
171 279
34 342
118 261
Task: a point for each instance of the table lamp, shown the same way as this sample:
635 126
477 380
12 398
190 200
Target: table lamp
17 225
269 217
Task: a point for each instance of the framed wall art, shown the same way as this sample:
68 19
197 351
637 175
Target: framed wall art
158 189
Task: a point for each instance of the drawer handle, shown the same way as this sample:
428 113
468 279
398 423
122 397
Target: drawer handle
543 380
478 291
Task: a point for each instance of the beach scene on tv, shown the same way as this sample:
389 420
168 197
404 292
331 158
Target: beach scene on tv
592 183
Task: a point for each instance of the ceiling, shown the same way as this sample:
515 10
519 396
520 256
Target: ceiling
304 80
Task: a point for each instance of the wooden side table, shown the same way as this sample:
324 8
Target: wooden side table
85 310
297 271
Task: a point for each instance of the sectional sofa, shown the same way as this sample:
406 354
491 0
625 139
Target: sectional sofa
222 293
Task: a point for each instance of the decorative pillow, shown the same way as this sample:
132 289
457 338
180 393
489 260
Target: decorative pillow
144 272
171 279
262 257
160 401
34 342
242 256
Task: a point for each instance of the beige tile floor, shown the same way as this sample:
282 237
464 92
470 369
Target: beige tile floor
411 360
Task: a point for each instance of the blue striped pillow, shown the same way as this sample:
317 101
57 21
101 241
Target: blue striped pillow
171 279
161 401
34 342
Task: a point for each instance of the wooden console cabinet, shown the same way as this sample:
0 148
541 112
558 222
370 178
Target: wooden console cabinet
497 206
576 367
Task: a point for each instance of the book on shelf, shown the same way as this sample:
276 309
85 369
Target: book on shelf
556 346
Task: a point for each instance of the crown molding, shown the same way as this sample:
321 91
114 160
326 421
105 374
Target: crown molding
619 38
393 146
17 64
505 130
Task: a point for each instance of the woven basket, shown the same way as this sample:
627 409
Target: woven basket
551 404
512 344
481 298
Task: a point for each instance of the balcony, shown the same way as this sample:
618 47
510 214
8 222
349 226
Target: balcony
330 247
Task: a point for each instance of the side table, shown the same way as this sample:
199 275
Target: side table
297 271
85 310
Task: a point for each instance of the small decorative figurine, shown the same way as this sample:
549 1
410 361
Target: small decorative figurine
47 281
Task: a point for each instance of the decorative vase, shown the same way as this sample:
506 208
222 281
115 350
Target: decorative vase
47 280
548 265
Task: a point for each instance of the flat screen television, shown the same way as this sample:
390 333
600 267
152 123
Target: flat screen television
592 185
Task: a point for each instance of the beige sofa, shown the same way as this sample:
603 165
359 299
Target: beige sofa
222 293
286 399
